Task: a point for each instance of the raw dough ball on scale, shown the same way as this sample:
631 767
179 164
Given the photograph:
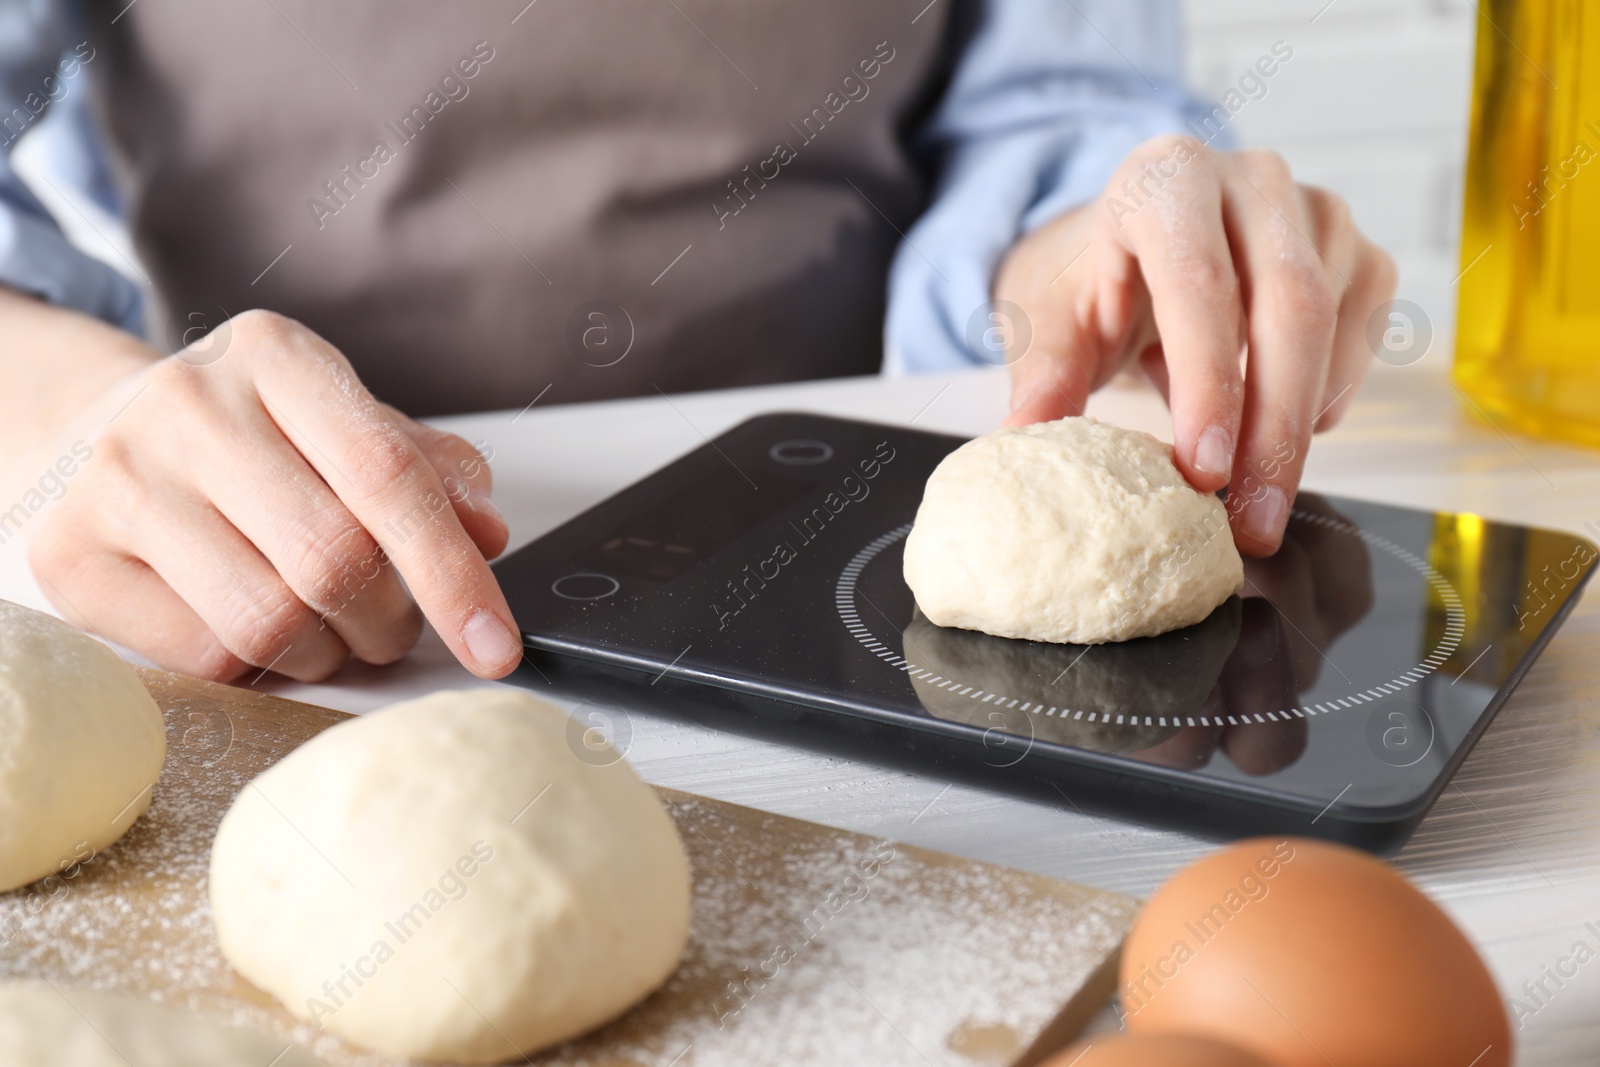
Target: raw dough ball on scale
82 746
1074 531
447 879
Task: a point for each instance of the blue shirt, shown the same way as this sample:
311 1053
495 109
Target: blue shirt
1047 99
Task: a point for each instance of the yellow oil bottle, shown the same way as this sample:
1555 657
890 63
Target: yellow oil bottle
1528 319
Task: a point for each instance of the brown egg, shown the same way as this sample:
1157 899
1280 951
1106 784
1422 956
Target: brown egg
1308 953
1155 1050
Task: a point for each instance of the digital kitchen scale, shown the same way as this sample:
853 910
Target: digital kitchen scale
754 585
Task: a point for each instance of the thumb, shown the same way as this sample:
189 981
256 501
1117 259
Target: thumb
1048 384
1044 283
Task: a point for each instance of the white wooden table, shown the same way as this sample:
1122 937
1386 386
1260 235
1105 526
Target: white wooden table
1513 853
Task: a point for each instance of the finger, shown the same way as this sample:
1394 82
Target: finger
1372 282
1039 290
1187 749
1153 361
1255 681
227 582
329 560
385 480
131 606
1340 566
1050 384
467 481
1263 748
1292 305
1183 253
1287 583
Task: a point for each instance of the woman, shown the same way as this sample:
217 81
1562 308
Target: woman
351 215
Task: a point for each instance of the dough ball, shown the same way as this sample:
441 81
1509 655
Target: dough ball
1074 531
447 880
82 746
41 1026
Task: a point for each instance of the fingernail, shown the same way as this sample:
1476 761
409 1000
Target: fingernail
1264 519
488 641
479 501
1213 453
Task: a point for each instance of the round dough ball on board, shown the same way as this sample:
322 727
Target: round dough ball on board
446 879
1074 531
57 1025
83 746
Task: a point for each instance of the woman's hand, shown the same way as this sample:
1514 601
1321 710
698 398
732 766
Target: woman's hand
259 509
1188 259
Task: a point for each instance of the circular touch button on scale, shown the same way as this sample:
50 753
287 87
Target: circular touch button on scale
585 585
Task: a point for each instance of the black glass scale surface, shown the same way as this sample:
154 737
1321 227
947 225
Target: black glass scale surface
754 585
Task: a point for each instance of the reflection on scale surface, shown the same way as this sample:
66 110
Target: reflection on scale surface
1236 695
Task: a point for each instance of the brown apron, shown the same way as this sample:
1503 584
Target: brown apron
479 200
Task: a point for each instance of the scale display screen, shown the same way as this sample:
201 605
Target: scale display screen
662 542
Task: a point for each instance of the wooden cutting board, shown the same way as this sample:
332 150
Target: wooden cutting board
797 954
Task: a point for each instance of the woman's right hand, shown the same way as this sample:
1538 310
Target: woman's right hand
259 509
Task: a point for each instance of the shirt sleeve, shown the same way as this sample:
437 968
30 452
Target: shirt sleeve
37 67
1047 99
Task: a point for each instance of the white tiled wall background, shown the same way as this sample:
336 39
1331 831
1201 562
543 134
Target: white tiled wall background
1373 104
